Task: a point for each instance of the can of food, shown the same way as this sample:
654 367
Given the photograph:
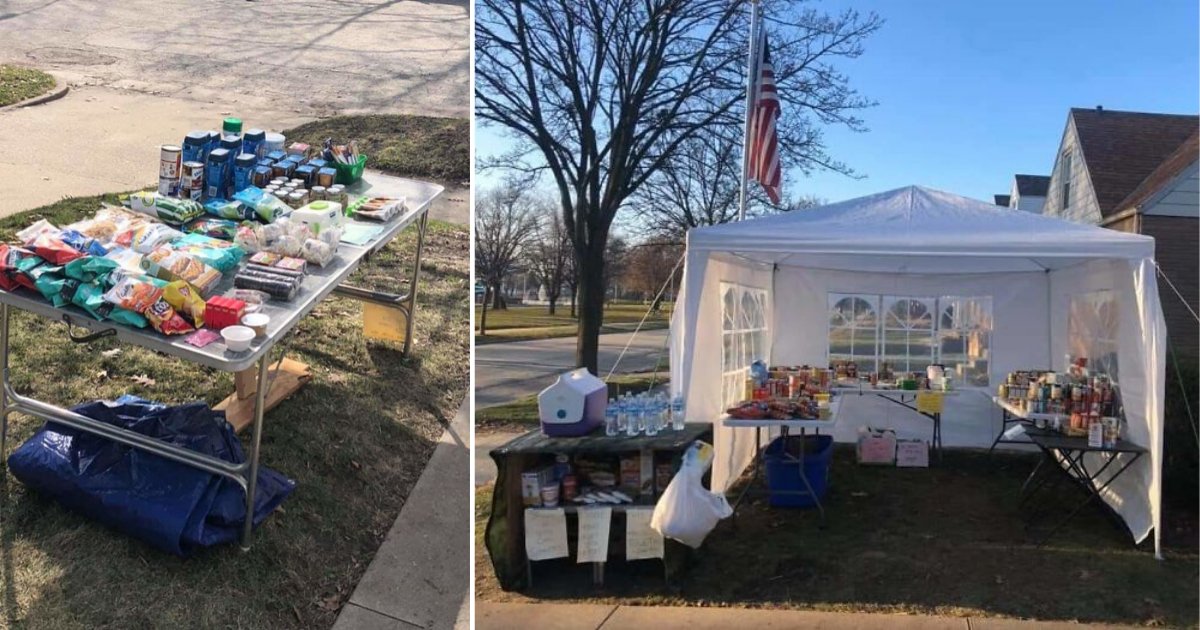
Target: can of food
169 159
168 186
191 181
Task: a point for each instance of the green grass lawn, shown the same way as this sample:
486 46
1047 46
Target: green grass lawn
946 540
422 147
18 83
524 323
355 438
522 414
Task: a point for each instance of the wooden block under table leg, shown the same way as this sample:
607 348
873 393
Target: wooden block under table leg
287 380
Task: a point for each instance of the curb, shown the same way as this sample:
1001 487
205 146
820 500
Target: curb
60 90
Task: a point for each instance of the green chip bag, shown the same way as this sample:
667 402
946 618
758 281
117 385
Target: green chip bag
89 268
56 288
90 298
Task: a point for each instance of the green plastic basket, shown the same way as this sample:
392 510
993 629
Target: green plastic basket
350 173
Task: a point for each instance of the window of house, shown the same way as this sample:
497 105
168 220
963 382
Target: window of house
744 336
1067 171
910 333
1093 323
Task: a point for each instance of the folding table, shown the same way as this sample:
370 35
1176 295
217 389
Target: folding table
318 284
907 398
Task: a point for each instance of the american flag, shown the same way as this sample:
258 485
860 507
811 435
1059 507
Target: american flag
764 141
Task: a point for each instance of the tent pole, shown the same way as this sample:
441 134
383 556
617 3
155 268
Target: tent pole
1049 325
751 65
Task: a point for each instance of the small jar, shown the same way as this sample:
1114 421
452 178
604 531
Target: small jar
295 200
318 193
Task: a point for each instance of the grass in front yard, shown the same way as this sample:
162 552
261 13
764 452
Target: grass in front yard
525 323
355 439
18 83
946 540
422 147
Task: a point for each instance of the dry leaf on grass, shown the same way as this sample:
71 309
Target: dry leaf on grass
108 354
142 379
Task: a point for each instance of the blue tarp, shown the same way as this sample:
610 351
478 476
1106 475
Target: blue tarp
166 504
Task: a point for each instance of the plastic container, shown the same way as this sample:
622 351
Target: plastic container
783 469
350 173
231 126
257 322
237 338
254 142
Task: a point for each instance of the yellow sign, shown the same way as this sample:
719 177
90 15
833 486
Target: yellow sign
929 402
386 323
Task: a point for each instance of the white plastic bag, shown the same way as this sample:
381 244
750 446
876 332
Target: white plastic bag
687 511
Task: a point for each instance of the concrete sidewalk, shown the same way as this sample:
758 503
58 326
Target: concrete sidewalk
495 616
420 577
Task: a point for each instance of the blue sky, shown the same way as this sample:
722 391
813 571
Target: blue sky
972 92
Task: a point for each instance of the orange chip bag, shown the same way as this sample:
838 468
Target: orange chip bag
184 299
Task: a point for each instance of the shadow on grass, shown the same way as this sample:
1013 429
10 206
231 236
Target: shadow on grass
946 540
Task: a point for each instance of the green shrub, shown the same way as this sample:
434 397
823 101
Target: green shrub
1181 465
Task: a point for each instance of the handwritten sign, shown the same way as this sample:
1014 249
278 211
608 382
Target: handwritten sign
385 323
929 402
641 542
593 534
545 534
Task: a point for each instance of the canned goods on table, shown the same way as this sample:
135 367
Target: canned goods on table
169 160
191 181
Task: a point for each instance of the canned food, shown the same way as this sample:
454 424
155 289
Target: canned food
168 186
191 181
169 159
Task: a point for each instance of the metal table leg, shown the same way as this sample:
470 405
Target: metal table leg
260 402
3 391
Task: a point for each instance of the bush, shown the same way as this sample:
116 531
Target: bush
1181 465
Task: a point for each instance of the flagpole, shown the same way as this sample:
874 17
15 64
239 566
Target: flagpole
752 63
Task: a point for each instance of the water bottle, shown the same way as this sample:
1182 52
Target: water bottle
622 414
653 418
677 413
610 418
633 417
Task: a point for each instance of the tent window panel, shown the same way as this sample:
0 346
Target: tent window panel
964 332
908 333
744 336
853 329
1093 324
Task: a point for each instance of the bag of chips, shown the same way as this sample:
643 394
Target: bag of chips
89 268
125 258
57 288
247 238
133 295
266 207
169 264
185 301
30 234
82 243
165 320
12 274
166 209
150 236
229 210
54 250
224 229
220 255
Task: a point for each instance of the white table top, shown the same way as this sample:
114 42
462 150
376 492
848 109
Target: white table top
828 424
1024 415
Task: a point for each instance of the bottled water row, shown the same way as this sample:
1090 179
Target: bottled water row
641 413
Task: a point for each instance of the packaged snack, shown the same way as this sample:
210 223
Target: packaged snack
221 311
121 273
129 318
169 264
125 258
294 276
229 210
133 295
267 208
82 243
57 288
165 320
54 250
166 209
90 298
291 264
148 237
317 252
254 299
213 227
247 238
11 273
276 286
89 268
265 258
26 270
30 234
185 301
202 337
220 255
377 208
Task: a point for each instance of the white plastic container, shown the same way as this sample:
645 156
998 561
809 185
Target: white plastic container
319 215
237 338
574 405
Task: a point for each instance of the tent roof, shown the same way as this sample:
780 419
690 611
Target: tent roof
917 230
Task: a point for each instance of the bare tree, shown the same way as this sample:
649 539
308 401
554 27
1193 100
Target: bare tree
549 253
615 256
504 223
600 94
649 266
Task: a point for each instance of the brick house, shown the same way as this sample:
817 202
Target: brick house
1138 172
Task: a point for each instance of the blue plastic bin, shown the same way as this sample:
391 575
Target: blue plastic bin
783 469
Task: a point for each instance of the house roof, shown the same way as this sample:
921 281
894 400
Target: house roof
1121 149
1032 185
1180 159
1001 200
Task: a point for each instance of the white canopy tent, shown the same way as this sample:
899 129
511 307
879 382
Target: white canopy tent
919 242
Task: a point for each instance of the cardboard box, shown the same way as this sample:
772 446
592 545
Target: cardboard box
877 447
912 454
532 482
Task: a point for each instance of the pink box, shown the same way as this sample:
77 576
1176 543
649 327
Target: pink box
877 447
912 454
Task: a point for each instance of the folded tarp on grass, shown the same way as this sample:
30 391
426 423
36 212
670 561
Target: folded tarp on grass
166 504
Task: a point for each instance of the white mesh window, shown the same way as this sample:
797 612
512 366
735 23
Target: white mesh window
744 336
854 329
1092 326
965 337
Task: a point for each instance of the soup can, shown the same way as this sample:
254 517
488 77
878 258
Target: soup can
169 159
191 181
168 186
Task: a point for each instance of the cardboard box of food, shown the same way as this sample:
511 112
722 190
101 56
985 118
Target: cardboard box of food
912 454
876 447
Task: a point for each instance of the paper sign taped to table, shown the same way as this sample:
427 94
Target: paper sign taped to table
929 402
545 533
386 323
592 542
641 542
